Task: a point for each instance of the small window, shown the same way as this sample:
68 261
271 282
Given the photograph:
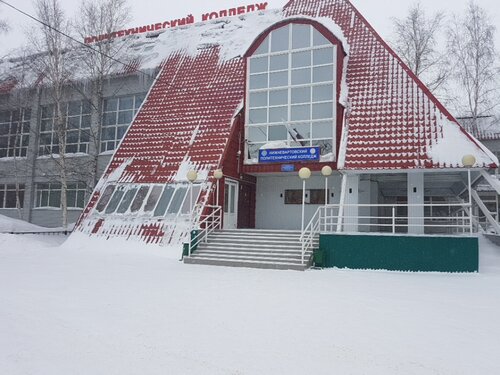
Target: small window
153 198
139 199
280 39
279 62
258 116
196 192
312 196
115 200
164 201
258 99
177 200
105 197
127 200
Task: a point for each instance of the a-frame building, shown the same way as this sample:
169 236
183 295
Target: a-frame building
262 95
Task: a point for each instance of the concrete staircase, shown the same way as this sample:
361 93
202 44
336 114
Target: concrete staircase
254 248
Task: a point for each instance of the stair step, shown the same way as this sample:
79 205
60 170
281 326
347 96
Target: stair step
224 247
274 231
247 264
265 245
252 253
250 248
276 249
250 257
255 237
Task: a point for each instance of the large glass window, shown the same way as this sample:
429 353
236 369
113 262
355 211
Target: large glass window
49 195
14 132
291 95
11 195
116 118
76 122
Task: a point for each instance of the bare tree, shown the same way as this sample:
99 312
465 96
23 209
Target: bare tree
54 64
472 50
99 17
415 42
4 25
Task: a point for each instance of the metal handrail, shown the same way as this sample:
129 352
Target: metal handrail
206 224
310 231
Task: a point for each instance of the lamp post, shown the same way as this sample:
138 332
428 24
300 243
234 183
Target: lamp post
218 175
304 174
326 171
468 161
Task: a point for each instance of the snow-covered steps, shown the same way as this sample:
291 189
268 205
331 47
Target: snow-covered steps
254 248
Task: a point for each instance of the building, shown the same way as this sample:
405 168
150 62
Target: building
261 96
30 187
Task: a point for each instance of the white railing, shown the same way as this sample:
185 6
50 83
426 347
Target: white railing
205 223
438 218
310 232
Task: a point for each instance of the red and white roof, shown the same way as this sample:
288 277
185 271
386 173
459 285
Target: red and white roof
392 120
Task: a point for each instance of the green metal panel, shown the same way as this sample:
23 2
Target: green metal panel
185 246
400 253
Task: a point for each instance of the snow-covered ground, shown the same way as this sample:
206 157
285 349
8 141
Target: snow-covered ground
94 307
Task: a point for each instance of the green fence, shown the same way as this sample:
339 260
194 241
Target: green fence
399 252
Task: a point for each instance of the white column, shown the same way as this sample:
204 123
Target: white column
351 198
415 197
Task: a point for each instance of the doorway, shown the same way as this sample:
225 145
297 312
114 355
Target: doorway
230 204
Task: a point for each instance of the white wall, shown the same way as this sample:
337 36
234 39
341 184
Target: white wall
368 194
271 211
415 197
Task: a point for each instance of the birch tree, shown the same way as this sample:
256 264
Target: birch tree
472 50
415 42
98 17
4 26
54 64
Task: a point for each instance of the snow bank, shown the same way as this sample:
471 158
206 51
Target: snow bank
89 307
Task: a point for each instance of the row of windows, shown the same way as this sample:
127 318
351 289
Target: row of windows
47 195
11 196
14 132
116 118
155 200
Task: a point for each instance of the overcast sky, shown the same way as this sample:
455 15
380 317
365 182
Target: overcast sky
378 13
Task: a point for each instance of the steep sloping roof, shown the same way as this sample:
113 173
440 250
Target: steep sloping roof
393 120
186 118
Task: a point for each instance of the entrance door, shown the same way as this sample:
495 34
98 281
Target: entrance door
230 204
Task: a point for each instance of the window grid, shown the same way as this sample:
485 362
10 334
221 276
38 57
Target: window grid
314 129
117 115
77 123
151 200
14 133
9 194
49 195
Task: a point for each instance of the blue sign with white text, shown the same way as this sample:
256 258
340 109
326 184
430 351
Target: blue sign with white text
280 155
287 168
